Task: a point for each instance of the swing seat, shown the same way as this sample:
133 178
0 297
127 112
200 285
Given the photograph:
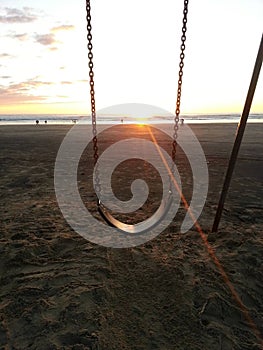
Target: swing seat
140 227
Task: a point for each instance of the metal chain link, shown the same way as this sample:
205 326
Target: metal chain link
180 80
91 78
92 96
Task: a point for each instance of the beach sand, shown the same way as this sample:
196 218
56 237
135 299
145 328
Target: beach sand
178 291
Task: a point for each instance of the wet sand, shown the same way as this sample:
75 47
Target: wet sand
178 291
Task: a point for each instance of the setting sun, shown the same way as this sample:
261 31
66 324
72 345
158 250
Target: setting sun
141 121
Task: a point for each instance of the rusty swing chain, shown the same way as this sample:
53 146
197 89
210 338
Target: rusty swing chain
92 97
92 90
180 80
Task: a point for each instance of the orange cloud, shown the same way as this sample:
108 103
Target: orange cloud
63 27
20 92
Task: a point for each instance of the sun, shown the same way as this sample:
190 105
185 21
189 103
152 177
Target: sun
141 121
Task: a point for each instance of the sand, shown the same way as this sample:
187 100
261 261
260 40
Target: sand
60 291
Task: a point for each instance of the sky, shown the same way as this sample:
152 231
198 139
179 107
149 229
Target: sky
44 62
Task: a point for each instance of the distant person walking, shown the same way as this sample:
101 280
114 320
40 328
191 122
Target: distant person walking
37 122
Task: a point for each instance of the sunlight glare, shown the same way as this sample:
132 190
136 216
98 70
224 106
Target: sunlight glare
141 121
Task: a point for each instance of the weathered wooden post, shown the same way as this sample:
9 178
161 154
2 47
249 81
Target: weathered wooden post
239 136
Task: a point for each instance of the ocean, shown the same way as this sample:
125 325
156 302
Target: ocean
10 119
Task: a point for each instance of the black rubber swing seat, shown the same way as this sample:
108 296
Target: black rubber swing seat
142 226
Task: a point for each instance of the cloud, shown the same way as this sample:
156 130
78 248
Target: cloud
5 77
45 39
7 96
29 84
21 92
5 55
66 82
21 37
50 39
54 48
14 15
63 27
26 85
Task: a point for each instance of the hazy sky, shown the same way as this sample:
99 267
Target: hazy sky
44 64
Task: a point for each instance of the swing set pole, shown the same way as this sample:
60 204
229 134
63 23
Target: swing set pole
239 135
